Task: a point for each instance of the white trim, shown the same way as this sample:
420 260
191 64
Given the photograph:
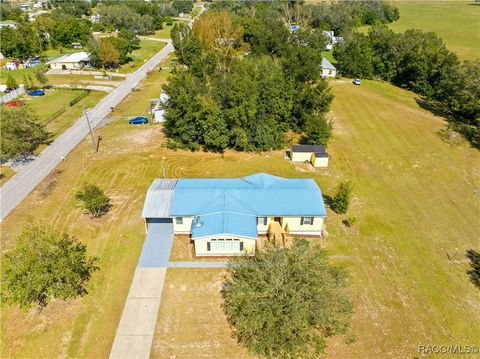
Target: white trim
232 254
224 234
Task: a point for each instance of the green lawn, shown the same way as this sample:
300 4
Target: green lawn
5 174
416 200
147 49
456 22
54 100
18 74
165 32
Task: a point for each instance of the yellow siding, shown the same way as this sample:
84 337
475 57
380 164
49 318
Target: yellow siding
68 66
319 162
294 226
182 228
301 156
201 246
264 228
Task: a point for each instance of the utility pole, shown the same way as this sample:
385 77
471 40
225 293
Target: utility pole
163 167
90 129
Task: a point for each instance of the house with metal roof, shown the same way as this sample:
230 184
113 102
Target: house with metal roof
315 154
225 217
328 70
74 61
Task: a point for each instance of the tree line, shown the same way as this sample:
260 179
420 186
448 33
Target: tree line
67 23
418 61
245 82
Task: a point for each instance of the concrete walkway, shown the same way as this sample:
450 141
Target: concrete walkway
135 332
134 336
198 264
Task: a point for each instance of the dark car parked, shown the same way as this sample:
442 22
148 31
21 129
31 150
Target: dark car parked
140 120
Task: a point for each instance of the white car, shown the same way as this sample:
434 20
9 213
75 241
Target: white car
357 82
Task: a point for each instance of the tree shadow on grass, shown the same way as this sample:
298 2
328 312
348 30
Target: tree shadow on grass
470 132
328 200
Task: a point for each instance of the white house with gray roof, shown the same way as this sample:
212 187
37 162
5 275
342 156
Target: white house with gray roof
328 70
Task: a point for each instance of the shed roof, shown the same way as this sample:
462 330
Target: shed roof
309 148
159 198
327 65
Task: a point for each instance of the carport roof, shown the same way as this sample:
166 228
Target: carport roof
159 198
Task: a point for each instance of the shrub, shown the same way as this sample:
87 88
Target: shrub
350 221
341 201
95 201
45 264
285 302
11 83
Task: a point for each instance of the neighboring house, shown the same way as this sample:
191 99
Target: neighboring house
11 24
94 19
225 217
14 65
328 70
157 111
33 15
75 61
315 154
32 62
332 39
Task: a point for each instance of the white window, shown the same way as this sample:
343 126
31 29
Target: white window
224 245
306 221
262 220
179 220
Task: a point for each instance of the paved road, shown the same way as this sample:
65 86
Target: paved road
29 176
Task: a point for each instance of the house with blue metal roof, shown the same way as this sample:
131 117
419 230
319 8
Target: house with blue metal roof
225 217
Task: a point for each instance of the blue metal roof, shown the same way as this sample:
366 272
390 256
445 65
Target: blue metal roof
231 205
244 225
259 195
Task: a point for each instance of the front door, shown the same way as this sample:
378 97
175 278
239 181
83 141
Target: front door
278 219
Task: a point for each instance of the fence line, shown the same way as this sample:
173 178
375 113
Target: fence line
53 116
11 95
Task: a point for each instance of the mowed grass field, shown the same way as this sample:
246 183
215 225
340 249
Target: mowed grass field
456 22
56 99
416 200
147 49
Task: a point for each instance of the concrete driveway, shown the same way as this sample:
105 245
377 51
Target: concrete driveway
135 332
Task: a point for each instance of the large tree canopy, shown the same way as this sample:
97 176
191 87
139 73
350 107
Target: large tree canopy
285 302
45 264
21 132
252 100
